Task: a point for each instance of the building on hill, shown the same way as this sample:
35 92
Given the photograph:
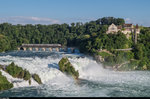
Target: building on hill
128 28
112 29
125 28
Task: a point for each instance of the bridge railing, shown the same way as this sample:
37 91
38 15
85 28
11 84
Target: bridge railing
41 45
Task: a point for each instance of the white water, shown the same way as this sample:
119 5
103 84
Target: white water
55 83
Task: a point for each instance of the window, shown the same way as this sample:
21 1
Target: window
113 28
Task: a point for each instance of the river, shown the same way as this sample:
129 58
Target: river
95 80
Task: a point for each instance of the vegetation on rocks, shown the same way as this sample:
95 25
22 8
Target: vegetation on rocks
17 72
66 67
37 78
4 83
29 81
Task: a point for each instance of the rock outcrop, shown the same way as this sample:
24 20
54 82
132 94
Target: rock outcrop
16 72
99 59
66 67
4 83
37 78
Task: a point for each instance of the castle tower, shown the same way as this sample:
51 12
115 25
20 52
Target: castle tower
135 36
135 33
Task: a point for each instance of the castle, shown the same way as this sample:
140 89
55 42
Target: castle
127 29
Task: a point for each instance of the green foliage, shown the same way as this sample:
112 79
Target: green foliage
129 55
110 20
4 43
144 51
18 72
132 65
29 81
66 67
103 54
138 51
75 35
119 58
27 75
142 65
37 78
4 83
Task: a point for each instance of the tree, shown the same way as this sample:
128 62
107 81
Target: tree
138 52
4 43
110 20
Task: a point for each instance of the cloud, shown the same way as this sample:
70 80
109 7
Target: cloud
28 20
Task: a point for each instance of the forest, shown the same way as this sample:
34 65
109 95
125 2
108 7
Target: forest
89 37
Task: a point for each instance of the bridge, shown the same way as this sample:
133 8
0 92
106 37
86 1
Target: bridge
46 47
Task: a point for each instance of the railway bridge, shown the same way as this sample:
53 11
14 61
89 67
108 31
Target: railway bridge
46 47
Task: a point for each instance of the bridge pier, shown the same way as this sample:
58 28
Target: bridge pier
36 49
24 48
50 49
44 49
57 49
18 48
30 48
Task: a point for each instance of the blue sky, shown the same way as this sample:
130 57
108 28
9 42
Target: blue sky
67 11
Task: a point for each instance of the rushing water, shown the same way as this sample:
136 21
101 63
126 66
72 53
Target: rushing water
96 81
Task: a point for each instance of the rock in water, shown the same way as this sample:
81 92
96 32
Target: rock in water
66 67
99 58
18 72
37 78
4 83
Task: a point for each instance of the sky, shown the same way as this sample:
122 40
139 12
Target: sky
68 11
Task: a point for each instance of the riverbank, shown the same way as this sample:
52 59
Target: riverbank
124 61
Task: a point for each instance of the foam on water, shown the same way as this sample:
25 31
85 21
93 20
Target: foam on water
54 80
48 69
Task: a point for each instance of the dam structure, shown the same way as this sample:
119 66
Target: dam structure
47 47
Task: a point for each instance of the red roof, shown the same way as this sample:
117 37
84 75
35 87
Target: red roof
127 25
137 26
119 27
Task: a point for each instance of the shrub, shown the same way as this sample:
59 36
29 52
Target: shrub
37 78
4 83
66 67
27 75
17 72
13 70
29 81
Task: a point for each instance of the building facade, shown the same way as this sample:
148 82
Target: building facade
112 29
126 29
